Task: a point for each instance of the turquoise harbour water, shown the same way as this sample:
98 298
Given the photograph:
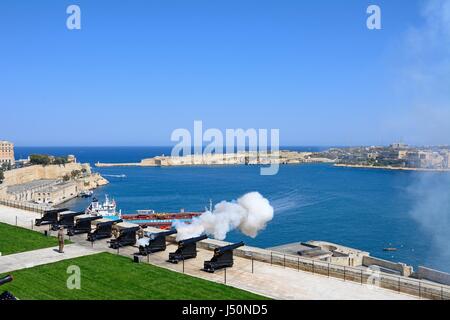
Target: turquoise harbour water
362 208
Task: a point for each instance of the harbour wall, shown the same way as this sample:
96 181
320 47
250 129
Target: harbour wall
21 176
240 158
37 172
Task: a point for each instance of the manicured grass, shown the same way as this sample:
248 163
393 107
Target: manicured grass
14 240
106 276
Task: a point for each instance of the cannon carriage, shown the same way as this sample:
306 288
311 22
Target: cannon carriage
101 229
222 258
154 242
126 236
187 249
83 224
65 219
49 217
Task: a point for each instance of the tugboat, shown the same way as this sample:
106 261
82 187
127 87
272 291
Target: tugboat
105 209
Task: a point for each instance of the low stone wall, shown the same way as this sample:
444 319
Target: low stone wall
402 268
433 275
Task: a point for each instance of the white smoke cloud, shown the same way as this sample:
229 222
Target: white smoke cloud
423 114
250 214
431 209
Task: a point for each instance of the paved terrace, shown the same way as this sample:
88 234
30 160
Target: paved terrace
272 281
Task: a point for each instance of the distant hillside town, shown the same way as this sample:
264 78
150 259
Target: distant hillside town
397 155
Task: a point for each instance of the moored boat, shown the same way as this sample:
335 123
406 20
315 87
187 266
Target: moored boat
144 218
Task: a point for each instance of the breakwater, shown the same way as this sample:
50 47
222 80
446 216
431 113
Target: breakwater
239 158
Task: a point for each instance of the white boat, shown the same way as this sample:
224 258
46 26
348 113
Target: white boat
86 194
105 209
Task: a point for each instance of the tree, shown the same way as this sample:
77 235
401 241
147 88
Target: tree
60 160
75 173
66 177
6 166
40 159
2 176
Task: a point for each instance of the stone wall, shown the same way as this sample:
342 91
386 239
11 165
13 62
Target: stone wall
31 173
433 275
402 268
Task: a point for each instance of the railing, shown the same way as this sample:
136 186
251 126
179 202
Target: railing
366 276
25 205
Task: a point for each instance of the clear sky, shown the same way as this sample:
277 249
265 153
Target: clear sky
137 70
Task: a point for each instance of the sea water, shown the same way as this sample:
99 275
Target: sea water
368 209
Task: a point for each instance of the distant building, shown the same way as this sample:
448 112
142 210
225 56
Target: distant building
399 146
402 154
447 159
71 158
6 152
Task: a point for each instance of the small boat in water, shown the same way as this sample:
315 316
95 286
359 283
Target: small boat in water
390 249
86 194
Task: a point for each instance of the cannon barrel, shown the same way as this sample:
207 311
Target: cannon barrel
153 235
70 214
192 240
55 210
228 247
92 218
6 279
106 223
155 242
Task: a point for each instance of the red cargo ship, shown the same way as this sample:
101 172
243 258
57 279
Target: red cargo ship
161 220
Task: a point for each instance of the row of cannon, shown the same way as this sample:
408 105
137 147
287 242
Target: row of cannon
125 234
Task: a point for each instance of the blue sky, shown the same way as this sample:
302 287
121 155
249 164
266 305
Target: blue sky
137 70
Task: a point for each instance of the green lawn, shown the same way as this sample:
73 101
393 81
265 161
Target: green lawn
14 240
107 276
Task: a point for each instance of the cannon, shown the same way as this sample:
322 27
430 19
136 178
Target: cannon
102 229
223 258
127 235
66 219
154 242
6 295
83 224
49 217
187 249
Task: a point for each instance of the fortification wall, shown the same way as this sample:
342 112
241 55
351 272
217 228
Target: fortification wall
31 173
